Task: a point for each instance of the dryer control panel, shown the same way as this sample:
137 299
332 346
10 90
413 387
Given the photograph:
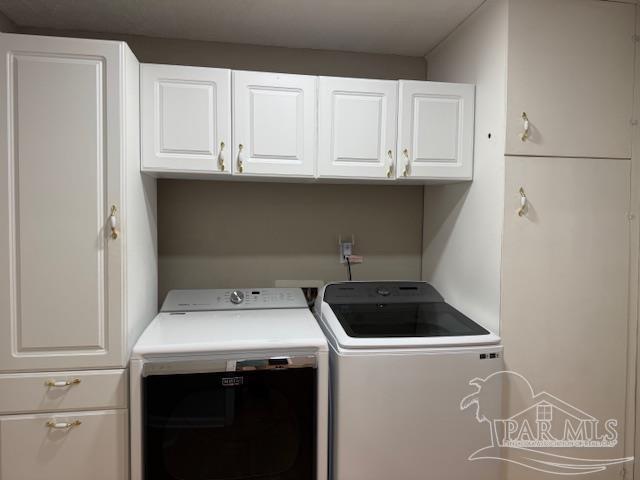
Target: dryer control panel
233 299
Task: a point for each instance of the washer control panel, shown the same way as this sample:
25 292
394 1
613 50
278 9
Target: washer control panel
347 293
233 299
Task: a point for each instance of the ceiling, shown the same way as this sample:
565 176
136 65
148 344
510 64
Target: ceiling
403 27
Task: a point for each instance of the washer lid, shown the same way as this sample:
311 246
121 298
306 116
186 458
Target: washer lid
397 314
394 320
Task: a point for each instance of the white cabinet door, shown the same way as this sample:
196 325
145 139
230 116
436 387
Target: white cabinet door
357 127
435 130
60 175
185 119
565 287
570 69
274 124
95 447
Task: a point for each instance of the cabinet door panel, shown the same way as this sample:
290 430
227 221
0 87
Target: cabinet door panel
435 130
357 127
60 172
186 118
97 448
570 69
565 286
274 121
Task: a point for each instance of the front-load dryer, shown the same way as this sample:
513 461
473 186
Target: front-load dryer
230 384
402 360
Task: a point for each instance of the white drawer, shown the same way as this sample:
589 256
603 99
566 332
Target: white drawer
87 390
95 449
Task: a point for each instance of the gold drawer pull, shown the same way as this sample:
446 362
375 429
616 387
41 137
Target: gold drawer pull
62 383
526 128
113 222
221 157
63 425
407 167
240 159
390 169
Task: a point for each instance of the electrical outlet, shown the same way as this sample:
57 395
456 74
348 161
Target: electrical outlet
346 250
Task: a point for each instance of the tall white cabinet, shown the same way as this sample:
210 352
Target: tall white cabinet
77 254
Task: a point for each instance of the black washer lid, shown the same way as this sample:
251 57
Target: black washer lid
358 293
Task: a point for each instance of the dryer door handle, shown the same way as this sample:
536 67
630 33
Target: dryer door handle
273 363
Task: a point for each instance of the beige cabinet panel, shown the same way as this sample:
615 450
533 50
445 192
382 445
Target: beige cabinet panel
565 287
60 171
95 449
570 68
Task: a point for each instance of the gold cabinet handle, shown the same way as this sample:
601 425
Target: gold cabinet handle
221 157
62 383
240 159
407 166
113 222
524 136
63 425
390 169
524 203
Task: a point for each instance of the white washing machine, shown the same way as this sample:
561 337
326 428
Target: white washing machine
230 384
401 362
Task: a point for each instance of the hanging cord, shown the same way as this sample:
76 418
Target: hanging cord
348 266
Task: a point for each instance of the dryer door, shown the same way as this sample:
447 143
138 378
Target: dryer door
256 422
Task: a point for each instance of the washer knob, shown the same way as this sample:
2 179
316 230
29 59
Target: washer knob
237 297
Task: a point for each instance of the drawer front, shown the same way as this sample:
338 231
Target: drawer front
56 391
94 448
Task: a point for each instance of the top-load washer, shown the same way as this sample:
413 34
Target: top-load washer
402 360
230 384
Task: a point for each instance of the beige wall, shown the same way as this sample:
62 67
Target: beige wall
6 25
254 57
223 234
468 273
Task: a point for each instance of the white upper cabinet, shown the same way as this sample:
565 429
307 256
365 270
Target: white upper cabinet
435 131
570 70
186 115
207 121
274 124
357 127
